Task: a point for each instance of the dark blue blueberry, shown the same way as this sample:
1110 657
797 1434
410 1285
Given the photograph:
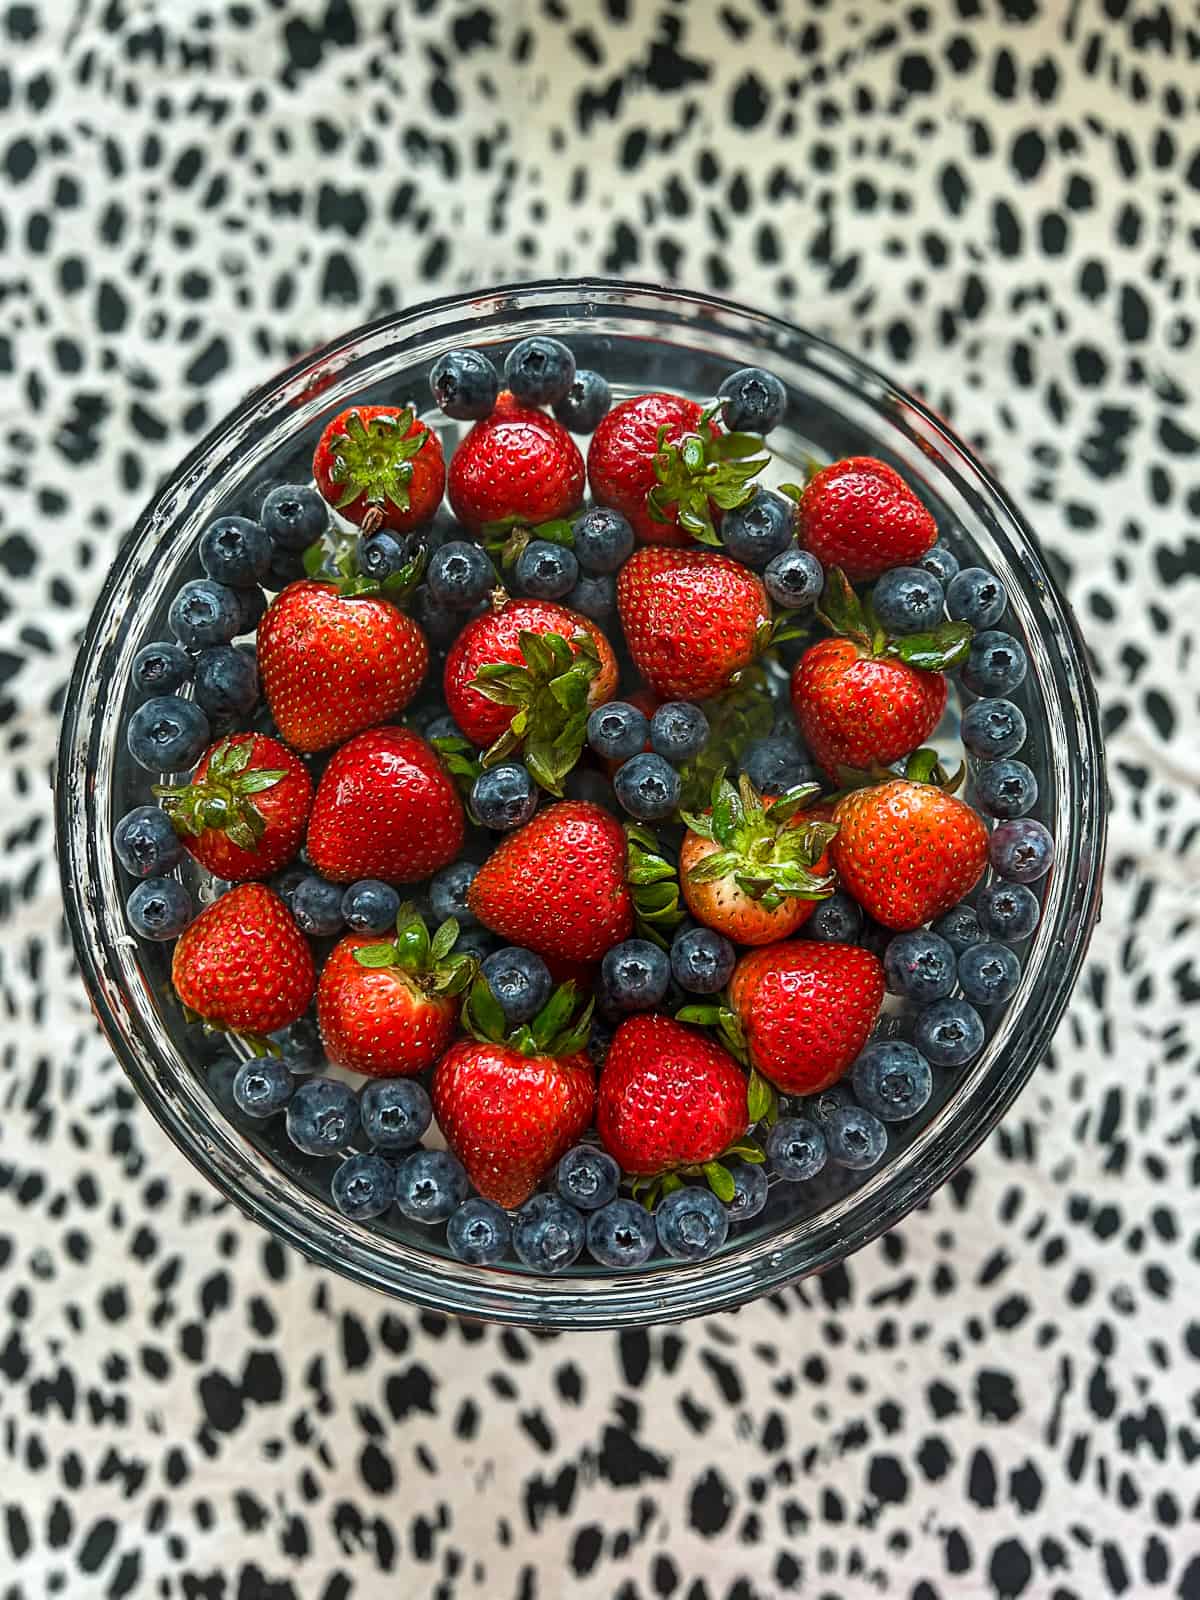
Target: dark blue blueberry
908 600
226 681
678 731
702 960
989 974
821 1106
634 976
949 1033
545 571
236 551
548 1233
464 385
520 980
959 927
539 370
621 1235
996 665
300 1043
588 1177
618 730
603 539
856 1138
992 728
892 1080
776 764
287 566
370 906
161 667
204 613
647 787
1021 851
794 578
692 1224
504 797
749 1190
158 908
316 906
586 403
254 606
430 1185
322 1116
363 1187
294 515
443 727
460 575
262 1088
584 783
285 882
836 920
448 893
796 1148
594 596
942 562
758 531
395 1112
167 734
1008 911
920 966
381 555
477 942
752 400
976 596
479 1233
145 843
1005 789
440 624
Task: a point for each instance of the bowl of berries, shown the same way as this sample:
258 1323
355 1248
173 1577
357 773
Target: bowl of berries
580 805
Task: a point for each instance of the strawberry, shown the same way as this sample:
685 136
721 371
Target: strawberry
385 807
243 966
692 618
517 466
389 1008
860 515
244 812
754 869
511 1104
380 467
805 1010
661 460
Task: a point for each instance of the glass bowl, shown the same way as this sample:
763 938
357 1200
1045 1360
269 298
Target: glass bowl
641 337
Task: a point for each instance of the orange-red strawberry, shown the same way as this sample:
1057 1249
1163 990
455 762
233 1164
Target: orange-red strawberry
516 467
691 619
860 515
243 965
380 467
510 1105
806 1010
907 851
244 812
857 710
386 807
389 1008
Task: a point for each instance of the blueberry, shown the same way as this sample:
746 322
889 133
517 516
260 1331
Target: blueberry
892 1080
678 731
959 927
520 981
583 783
301 1046
448 893
594 596
749 1190
618 731
634 976
776 764
363 1187
440 624
603 539
908 600
702 960
479 1233
287 566
942 562
647 787
586 403
226 681
692 1224
794 578
621 1235
430 1185
262 1087
856 1138
752 400
382 554
836 920
1005 788
167 734
539 371
989 974
588 1177
464 385
161 667
460 575
758 531
545 571
1008 911
158 908
204 613
322 1116
145 843
1021 851
236 551
478 942
949 1033
370 906
395 1112
796 1148
316 906
294 515
254 605
504 797
992 728
976 596
996 665
822 1105
286 882
920 966
548 1233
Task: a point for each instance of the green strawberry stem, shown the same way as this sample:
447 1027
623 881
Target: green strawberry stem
767 855
222 799
701 470
508 537
558 1030
549 698
373 461
654 884
842 611
925 766
430 965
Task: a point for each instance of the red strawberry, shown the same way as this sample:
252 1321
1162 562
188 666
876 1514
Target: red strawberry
908 851
806 1010
858 710
243 965
860 515
669 1097
516 467
380 467
244 812
332 664
385 807
389 1007
691 619
510 1106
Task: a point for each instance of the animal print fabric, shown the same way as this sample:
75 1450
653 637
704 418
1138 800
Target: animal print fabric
999 202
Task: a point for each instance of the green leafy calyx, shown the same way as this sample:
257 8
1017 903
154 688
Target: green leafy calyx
373 460
223 800
333 559
700 471
430 965
767 853
549 699
560 1028
653 880
506 539
842 611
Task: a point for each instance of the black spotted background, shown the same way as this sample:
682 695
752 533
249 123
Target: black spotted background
999 200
